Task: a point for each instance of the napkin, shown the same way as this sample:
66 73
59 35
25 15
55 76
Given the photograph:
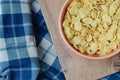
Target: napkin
115 76
26 48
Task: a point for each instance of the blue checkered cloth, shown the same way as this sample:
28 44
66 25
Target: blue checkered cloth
115 76
26 49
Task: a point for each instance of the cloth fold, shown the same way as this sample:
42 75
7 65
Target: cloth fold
115 76
22 27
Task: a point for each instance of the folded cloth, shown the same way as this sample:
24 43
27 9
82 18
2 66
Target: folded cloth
49 63
115 76
22 27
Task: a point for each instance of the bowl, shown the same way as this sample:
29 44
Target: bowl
61 18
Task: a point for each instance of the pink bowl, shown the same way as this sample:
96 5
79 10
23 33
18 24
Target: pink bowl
61 17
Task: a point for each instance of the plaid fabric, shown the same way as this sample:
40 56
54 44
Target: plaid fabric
22 27
115 76
49 63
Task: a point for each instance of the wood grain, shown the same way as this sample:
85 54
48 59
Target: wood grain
74 66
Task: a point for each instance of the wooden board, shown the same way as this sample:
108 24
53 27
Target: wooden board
74 66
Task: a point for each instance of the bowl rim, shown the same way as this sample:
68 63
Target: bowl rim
61 15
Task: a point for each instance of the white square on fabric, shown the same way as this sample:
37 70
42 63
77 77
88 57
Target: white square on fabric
52 50
41 52
2 43
35 6
32 52
45 44
3 56
30 40
24 0
49 59
25 8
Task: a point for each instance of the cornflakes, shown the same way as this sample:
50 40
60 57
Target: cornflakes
77 26
93 26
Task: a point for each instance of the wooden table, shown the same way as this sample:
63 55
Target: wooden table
74 66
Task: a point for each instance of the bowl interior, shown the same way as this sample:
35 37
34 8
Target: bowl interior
61 18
